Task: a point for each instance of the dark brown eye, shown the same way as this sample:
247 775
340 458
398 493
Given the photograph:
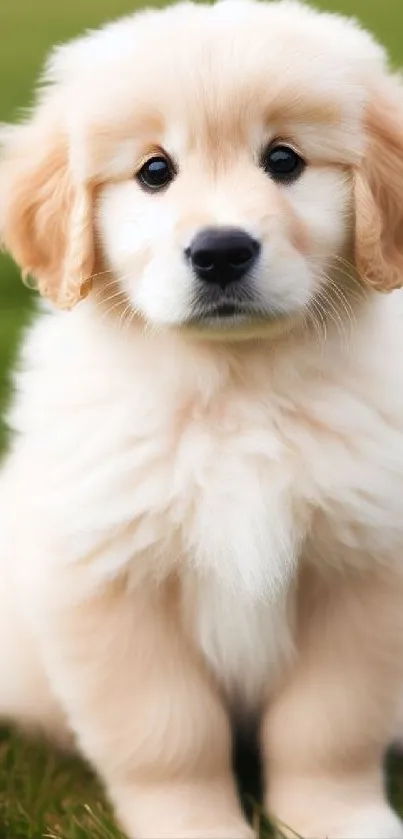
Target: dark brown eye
156 173
283 163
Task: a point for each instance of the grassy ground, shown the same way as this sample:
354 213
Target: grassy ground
42 795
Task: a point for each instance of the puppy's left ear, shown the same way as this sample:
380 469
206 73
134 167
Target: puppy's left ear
379 192
45 212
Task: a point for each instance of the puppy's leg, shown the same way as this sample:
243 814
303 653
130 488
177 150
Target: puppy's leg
25 692
325 734
144 710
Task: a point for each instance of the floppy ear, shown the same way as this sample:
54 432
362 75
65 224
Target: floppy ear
45 215
379 193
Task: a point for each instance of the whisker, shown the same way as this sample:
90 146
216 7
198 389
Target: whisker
343 299
111 309
347 271
123 315
102 301
325 295
318 320
99 274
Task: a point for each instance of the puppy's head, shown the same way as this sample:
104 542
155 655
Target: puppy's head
211 168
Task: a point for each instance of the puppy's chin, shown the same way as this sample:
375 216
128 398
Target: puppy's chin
239 329
225 329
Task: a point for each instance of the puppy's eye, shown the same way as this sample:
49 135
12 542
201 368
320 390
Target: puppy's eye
156 173
283 163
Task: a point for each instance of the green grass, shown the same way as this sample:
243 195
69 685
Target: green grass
42 794
47 795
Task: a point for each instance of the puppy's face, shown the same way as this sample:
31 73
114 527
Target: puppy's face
224 162
232 193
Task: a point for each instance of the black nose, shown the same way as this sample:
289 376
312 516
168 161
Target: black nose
221 255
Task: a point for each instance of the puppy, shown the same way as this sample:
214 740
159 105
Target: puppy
202 506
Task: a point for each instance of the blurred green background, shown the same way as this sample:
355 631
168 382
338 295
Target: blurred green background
28 28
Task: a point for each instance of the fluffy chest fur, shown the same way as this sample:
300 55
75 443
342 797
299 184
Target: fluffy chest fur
246 641
150 461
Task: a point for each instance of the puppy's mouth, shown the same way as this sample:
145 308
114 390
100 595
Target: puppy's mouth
227 312
237 320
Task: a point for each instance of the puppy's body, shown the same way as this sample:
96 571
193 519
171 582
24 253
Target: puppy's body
179 470
193 526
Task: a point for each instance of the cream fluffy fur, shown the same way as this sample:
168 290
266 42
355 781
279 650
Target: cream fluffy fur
191 527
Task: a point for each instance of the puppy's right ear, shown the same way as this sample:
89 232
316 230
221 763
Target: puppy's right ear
45 213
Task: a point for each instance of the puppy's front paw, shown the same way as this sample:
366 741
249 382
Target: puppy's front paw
243 832
221 833
372 822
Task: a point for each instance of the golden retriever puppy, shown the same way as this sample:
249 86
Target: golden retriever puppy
202 506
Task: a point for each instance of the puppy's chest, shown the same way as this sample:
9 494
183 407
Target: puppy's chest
232 497
246 642
232 483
